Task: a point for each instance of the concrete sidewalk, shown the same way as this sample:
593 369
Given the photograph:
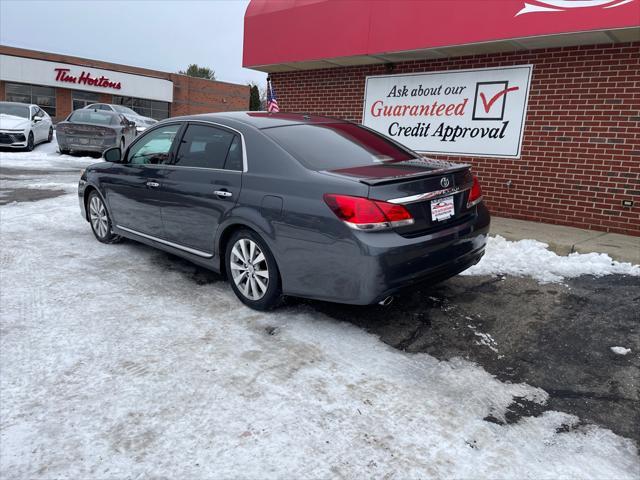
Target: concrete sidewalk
565 240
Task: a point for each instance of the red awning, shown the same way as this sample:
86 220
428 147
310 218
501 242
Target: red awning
282 35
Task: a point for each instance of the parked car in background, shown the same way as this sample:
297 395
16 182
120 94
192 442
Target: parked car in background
288 204
23 125
142 122
94 131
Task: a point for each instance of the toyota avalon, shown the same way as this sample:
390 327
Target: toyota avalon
289 204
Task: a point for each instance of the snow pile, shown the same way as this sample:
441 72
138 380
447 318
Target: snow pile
533 259
117 363
45 156
620 350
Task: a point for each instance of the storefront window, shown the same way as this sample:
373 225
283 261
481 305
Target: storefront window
147 108
82 99
44 97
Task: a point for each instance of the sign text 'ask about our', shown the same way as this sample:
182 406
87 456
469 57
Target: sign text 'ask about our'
460 112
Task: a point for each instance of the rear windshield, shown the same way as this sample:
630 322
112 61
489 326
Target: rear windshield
333 146
91 116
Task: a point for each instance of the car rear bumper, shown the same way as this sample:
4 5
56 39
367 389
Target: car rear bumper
87 145
379 264
87 148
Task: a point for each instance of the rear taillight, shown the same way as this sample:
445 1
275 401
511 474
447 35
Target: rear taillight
475 195
365 214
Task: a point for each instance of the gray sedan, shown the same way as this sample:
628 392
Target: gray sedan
94 131
289 204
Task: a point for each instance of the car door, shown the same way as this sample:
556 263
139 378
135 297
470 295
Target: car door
128 132
46 124
39 128
202 184
134 187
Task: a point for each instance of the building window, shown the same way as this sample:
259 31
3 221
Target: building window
82 99
44 97
147 108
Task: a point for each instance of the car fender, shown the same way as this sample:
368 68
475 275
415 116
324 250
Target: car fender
102 196
250 218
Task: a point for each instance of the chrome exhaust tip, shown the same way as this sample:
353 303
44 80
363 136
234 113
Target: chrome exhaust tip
387 301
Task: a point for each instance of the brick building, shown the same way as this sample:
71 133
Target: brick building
61 84
576 160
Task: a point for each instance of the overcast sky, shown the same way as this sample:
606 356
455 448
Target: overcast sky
162 35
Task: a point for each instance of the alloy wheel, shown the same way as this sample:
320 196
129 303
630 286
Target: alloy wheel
98 215
249 269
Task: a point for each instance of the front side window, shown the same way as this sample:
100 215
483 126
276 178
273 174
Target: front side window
154 147
205 147
334 146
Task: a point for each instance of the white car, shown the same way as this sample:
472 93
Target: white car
23 125
142 123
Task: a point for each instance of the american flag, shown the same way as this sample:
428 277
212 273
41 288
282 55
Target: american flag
272 102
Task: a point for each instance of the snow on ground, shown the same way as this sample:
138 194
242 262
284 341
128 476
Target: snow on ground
44 156
533 259
620 350
116 363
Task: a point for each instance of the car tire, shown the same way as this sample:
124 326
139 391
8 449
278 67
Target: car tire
252 271
50 137
64 151
30 142
100 220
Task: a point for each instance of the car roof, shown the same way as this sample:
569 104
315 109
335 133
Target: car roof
261 120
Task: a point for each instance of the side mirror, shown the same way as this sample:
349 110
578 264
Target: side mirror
113 155
132 124
37 118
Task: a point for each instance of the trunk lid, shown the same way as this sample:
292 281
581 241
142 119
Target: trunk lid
85 130
416 184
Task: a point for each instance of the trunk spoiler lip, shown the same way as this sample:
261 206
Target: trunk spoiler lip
398 178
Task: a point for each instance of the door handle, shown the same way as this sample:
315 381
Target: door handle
223 193
153 184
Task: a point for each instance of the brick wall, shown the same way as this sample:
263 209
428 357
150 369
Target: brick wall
581 150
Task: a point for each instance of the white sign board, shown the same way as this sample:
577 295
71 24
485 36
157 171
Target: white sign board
459 112
74 77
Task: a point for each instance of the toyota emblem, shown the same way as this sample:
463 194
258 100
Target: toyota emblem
444 182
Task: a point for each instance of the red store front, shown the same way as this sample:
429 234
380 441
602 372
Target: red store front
542 97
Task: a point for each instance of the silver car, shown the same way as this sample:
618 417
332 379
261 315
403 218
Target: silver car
142 122
94 131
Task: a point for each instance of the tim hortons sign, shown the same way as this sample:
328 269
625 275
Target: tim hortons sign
85 78
477 112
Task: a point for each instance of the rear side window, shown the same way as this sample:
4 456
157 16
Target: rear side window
205 147
334 146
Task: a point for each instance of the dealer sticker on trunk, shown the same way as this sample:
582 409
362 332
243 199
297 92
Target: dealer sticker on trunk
442 209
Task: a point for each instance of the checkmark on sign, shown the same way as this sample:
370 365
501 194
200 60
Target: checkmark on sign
494 99
491 99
